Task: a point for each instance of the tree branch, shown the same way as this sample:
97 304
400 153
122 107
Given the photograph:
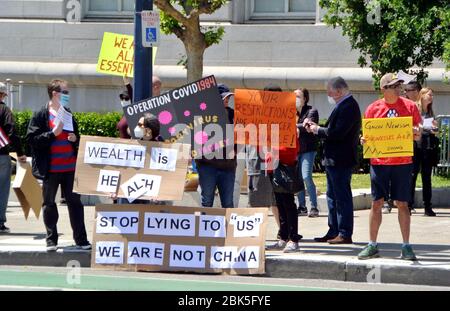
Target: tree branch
164 5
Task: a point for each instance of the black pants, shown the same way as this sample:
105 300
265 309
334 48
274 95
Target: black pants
288 216
50 210
423 164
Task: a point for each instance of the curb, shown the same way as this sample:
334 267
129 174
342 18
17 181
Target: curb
376 271
316 267
59 258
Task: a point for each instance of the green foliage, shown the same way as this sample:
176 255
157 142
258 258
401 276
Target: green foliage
394 35
89 123
98 124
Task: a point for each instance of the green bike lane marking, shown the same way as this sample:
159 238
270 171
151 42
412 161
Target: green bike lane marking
96 282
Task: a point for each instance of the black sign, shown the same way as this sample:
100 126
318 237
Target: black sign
193 113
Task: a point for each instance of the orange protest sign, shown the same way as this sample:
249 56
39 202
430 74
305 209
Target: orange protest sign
265 118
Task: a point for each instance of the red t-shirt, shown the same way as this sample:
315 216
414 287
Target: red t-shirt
401 108
62 154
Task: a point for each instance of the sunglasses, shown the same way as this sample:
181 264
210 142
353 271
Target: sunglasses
410 90
392 87
65 92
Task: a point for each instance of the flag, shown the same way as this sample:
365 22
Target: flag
4 141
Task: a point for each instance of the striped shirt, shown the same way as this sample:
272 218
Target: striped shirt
62 155
4 140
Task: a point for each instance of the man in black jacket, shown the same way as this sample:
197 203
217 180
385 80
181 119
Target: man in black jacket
54 146
8 139
341 139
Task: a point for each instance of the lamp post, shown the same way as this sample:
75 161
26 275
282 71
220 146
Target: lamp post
143 68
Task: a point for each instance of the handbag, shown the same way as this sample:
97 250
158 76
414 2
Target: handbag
285 179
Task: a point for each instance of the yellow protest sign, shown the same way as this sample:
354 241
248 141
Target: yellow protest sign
117 55
388 137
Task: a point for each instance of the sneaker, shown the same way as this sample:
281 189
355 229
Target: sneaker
4 229
291 247
52 247
302 211
62 201
386 208
429 212
412 210
277 246
314 212
407 253
85 246
368 252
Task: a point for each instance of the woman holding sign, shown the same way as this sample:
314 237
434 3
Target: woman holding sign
425 151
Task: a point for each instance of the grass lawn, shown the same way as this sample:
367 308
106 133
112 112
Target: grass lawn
360 181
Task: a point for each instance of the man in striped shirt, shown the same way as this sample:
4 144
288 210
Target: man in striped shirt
54 146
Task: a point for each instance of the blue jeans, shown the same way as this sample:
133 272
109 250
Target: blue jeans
340 202
209 177
5 184
305 167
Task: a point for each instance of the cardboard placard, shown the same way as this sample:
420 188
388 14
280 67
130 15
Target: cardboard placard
104 163
192 114
388 137
27 189
117 55
261 110
176 238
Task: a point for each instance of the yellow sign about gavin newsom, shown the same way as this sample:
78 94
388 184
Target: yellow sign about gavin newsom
388 137
117 55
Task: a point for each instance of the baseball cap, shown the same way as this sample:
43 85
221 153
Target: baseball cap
224 91
2 87
389 79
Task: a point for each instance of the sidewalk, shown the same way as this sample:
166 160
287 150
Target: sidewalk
430 236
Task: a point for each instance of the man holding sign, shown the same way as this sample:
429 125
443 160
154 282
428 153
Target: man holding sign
53 136
391 175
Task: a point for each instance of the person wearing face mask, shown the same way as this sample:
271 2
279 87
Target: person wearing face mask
341 139
54 152
126 98
308 151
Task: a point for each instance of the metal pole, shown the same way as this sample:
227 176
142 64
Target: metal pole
20 93
143 70
8 93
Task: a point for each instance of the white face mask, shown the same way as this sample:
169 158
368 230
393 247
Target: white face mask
124 103
331 101
138 132
298 104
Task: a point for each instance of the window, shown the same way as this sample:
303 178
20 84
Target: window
109 8
283 9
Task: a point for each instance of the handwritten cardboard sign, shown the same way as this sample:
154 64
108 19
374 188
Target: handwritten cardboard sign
388 137
265 111
192 114
117 55
175 238
126 167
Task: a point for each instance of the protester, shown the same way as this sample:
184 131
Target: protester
425 151
9 141
54 157
308 151
287 210
391 176
220 171
341 139
126 98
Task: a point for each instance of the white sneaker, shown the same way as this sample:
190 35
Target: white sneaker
291 247
85 247
386 209
52 248
277 246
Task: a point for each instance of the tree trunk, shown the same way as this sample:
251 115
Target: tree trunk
195 46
